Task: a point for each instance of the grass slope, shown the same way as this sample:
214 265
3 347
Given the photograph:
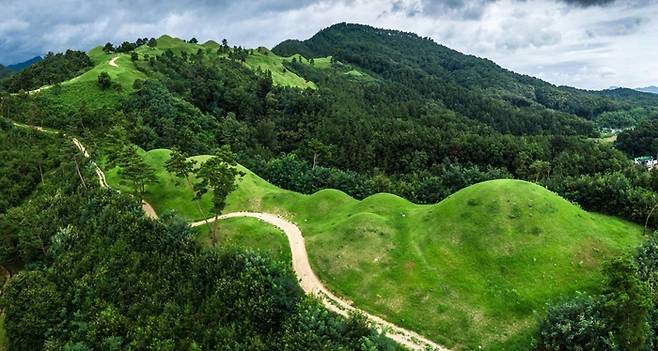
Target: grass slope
471 271
252 234
264 59
84 88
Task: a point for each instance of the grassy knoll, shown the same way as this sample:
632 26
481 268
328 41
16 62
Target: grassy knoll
84 89
473 270
250 233
264 59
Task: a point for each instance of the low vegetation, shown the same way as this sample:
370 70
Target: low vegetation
481 258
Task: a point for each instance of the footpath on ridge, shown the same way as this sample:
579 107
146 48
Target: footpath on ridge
308 281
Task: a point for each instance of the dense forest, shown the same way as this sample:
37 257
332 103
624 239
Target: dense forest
54 68
474 87
418 120
103 276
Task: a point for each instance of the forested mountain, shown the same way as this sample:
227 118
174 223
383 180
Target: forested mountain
651 89
474 87
25 64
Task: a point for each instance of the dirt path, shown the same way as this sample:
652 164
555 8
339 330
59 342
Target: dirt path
113 62
308 281
312 285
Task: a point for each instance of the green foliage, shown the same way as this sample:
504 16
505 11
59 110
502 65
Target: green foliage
218 175
165 292
575 325
54 68
34 305
641 140
626 304
621 318
104 81
5 72
27 157
612 193
159 119
476 88
135 171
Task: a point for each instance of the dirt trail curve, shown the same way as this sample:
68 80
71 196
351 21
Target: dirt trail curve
312 285
301 266
113 62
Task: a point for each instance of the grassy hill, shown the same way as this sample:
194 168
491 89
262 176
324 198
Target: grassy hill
84 89
483 262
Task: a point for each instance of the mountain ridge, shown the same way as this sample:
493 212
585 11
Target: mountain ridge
391 52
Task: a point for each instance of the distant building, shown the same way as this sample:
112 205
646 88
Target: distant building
646 161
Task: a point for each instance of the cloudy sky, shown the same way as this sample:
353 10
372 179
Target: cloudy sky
591 44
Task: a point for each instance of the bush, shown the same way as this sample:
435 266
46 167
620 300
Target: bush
104 80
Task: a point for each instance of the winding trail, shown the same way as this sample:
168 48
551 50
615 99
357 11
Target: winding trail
113 61
308 281
313 286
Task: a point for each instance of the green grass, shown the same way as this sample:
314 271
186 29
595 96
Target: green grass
264 59
84 89
477 269
252 234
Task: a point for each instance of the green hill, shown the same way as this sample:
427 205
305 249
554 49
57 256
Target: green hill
483 262
464 83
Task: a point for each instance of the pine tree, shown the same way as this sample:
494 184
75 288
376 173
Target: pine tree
219 175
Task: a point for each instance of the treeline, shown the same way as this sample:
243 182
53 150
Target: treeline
54 68
109 278
128 46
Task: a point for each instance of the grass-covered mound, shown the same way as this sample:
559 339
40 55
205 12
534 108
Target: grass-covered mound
252 234
474 270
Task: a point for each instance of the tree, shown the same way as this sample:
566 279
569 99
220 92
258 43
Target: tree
318 149
108 47
627 303
134 56
104 80
194 41
179 165
135 171
152 43
219 175
539 169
